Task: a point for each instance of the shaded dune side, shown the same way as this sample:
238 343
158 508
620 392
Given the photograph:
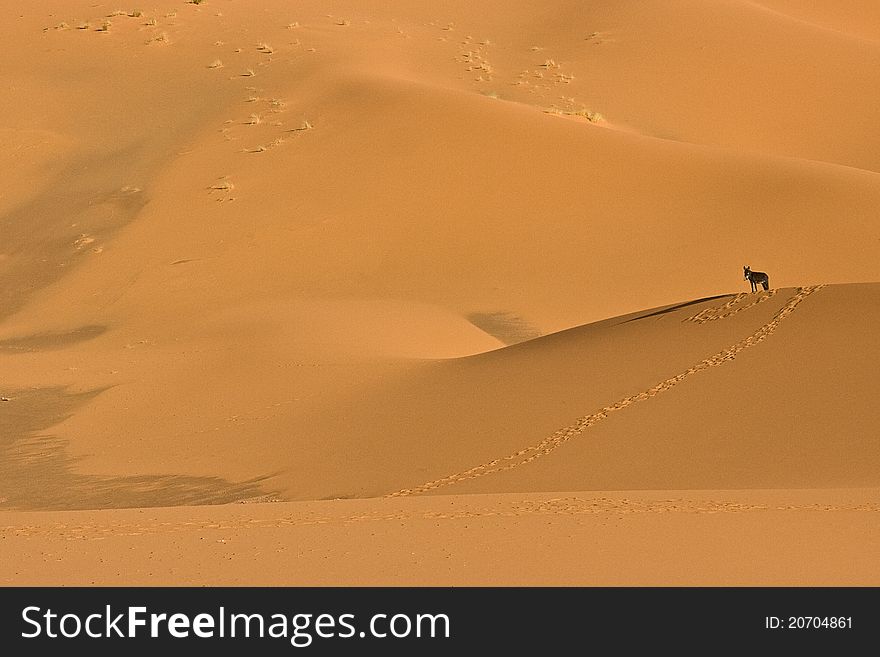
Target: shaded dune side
36 471
560 437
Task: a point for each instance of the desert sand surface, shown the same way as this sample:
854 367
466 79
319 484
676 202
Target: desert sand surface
439 293
639 538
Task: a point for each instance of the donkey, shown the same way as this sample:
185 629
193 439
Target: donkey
756 278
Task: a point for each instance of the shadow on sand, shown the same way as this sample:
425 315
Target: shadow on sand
36 472
507 327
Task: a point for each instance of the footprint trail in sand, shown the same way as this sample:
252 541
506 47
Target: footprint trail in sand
560 437
730 308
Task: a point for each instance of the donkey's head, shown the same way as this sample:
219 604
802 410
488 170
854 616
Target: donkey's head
746 272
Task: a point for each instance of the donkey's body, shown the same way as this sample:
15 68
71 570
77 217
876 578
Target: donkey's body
756 278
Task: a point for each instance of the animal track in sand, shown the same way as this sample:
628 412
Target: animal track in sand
728 310
558 506
562 436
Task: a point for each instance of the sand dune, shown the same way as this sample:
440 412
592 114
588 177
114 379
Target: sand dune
470 253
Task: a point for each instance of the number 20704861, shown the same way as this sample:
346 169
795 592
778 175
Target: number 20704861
808 623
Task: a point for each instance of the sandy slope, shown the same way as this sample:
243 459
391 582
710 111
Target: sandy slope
346 250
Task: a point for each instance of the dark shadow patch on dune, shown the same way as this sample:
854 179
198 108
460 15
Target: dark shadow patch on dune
677 306
507 327
52 340
46 237
36 471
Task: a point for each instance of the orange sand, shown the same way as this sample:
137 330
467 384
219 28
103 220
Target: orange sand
483 258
